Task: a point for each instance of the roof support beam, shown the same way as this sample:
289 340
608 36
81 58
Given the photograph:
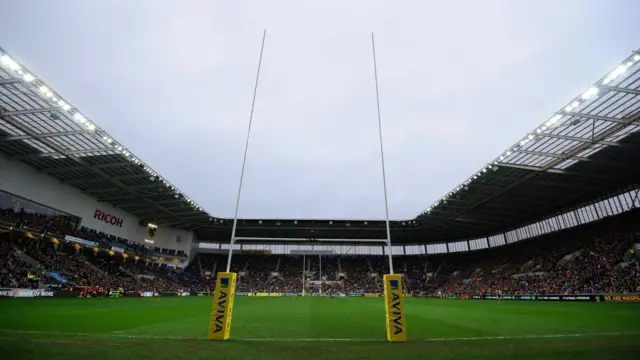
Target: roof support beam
67 168
579 139
64 153
521 167
557 156
555 171
30 111
41 136
577 158
9 81
619 89
595 117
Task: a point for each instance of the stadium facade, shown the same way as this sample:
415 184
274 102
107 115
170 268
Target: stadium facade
23 187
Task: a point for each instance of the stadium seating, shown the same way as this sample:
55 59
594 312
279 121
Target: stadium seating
78 267
596 258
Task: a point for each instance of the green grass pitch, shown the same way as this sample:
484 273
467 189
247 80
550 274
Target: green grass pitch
318 328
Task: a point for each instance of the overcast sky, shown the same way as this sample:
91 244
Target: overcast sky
460 81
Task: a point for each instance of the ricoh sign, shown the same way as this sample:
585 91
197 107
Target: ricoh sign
108 218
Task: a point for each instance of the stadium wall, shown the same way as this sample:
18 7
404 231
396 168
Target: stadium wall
23 180
171 238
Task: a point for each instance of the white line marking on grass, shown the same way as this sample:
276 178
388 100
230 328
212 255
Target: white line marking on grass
112 335
550 336
99 335
303 340
455 338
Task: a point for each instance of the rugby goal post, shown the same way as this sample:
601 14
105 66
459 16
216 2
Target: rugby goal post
224 293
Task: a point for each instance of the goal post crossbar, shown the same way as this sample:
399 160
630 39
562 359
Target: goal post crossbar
386 242
247 238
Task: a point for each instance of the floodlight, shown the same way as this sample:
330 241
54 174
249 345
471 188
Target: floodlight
593 91
9 62
619 71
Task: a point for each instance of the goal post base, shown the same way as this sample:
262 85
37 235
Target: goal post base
220 324
394 308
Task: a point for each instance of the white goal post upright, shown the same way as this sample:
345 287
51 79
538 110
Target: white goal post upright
244 158
384 173
393 296
224 293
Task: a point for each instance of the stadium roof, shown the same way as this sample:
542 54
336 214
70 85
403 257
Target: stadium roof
38 126
587 149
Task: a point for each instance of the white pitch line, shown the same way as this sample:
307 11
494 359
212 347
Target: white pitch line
456 338
102 335
477 338
311 339
550 336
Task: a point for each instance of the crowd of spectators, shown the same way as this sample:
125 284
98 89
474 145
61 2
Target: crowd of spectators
13 271
359 275
65 225
596 258
77 266
34 220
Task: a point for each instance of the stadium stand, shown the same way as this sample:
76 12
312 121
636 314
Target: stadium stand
593 258
598 257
